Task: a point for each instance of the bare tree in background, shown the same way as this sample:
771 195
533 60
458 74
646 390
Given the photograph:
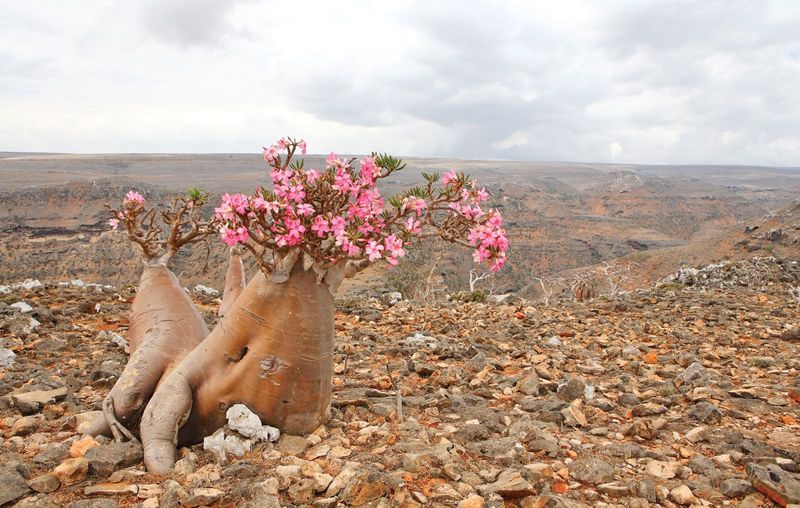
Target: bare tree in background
474 278
550 287
434 287
616 274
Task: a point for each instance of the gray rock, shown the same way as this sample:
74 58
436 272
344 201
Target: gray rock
735 488
705 412
695 374
37 501
173 494
649 409
647 489
12 482
293 445
32 402
26 425
45 483
241 469
775 483
591 470
510 483
51 455
701 464
529 385
105 459
7 358
93 503
572 389
302 492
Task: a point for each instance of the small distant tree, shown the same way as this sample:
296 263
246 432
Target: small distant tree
475 277
432 287
616 274
550 287
584 286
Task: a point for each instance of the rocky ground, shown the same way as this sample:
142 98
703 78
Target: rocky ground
683 395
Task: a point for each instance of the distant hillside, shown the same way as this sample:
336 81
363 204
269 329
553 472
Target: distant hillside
560 217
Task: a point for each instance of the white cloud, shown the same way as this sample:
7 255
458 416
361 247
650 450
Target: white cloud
710 82
516 139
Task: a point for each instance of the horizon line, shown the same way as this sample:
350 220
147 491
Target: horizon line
442 158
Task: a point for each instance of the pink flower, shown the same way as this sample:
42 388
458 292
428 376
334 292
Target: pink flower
414 204
271 153
373 250
332 160
338 225
302 145
412 225
232 204
234 236
449 177
294 232
312 175
305 209
498 263
343 182
369 171
133 197
320 226
394 249
262 205
480 195
281 176
490 241
114 223
295 193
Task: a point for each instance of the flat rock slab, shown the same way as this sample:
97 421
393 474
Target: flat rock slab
772 481
33 402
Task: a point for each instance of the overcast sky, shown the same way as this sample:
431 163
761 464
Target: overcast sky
633 81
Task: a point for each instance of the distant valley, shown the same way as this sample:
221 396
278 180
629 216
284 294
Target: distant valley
561 217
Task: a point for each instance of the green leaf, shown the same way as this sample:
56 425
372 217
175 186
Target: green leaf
431 177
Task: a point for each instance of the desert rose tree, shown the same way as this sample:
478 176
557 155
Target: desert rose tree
164 323
273 349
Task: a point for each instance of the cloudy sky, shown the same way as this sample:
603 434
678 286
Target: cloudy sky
628 81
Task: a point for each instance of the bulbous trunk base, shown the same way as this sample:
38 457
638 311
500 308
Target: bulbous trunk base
272 352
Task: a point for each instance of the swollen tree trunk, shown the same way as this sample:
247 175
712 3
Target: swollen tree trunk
273 352
164 326
234 282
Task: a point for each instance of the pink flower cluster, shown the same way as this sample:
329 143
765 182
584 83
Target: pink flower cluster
489 239
338 213
133 198
133 202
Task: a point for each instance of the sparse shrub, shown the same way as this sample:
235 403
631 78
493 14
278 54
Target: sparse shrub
469 296
670 286
9 299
